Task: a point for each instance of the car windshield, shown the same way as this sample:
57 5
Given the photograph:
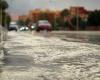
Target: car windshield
44 22
13 25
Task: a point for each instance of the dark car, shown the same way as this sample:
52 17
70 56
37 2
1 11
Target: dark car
12 27
43 25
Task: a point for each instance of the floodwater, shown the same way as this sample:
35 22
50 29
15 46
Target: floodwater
94 39
50 58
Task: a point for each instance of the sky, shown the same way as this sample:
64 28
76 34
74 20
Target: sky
23 6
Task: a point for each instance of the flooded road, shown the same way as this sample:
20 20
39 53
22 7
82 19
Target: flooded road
37 57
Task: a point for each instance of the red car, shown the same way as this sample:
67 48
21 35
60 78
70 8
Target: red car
43 25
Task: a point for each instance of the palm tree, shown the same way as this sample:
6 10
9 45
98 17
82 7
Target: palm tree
3 4
3 14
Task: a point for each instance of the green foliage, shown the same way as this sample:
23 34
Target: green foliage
94 18
79 22
60 22
27 21
64 13
76 20
21 22
3 5
5 18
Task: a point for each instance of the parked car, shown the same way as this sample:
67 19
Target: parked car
13 27
43 25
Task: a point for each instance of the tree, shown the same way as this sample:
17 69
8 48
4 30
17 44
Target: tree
76 21
8 20
4 17
3 5
94 18
62 20
64 13
56 23
21 22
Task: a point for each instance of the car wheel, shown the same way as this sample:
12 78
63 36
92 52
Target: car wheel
37 30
